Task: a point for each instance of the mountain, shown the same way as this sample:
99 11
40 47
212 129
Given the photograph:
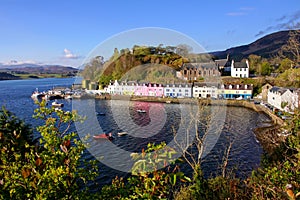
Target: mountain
29 68
265 47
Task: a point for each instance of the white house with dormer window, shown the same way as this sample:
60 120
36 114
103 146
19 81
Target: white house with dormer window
240 69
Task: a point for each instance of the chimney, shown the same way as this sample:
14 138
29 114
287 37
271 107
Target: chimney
247 62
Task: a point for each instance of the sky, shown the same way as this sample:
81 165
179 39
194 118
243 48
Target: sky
66 32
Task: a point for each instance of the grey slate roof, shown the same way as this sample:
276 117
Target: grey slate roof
240 65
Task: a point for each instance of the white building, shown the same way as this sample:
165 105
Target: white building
283 98
236 91
240 69
178 90
205 90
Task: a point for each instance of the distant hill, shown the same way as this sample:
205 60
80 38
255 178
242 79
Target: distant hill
37 69
265 47
7 76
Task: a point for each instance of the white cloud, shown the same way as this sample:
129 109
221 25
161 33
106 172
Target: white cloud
15 62
241 11
69 54
236 13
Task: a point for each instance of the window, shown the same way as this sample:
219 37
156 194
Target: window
236 75
168 90
240 69
245 69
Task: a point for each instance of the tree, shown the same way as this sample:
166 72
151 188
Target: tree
285 64
255 64
52 168
265 68
292 48
93 69
183 50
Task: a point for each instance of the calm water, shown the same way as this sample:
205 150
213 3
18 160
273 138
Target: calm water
160 121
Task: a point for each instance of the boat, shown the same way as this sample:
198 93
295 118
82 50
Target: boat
56 104
100 113
168 101
36 94
68 97
103 136
239 98
122 133
141 111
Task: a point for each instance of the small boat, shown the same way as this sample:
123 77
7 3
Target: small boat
103 136
68 97
168 101
141 111
100 113
56 104
122 133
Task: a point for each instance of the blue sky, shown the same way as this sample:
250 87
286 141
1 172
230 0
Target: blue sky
65 32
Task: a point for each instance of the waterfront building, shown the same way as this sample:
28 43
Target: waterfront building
128 88
240 69
155 90
113 87
205 90
284 99
141 89
183 90
236 91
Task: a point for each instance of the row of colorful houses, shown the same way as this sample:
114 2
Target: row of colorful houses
183 90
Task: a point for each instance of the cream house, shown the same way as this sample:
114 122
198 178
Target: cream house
205 90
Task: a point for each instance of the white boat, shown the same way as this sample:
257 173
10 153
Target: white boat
68 97
56 104
122 133
239 98
141 111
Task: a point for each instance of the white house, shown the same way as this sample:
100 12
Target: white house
178 90
240 69
205 90
283 98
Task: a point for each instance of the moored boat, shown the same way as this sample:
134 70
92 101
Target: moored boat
141 111
103 136
122 133
56 104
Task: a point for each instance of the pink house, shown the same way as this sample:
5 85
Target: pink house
141 89
149 89
155 90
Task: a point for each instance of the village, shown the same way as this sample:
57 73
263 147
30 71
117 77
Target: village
273 97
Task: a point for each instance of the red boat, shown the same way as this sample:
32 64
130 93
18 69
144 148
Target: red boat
103 136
